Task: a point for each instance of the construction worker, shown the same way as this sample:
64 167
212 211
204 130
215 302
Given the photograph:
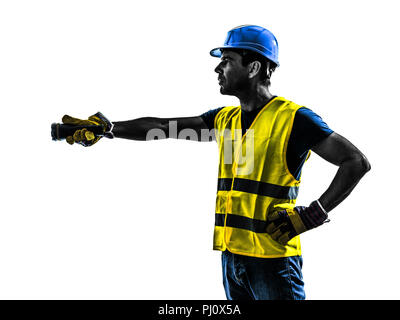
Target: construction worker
263 144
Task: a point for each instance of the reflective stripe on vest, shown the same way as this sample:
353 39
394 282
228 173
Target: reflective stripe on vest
258 187
252 185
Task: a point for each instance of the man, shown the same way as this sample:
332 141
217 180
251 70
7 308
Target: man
256 221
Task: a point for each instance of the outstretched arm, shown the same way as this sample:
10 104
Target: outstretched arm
150 128
352 167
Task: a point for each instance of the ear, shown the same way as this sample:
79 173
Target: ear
254 68
269 71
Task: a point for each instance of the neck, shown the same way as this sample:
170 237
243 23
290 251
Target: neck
256 98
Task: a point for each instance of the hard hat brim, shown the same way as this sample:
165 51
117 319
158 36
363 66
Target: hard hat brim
217 52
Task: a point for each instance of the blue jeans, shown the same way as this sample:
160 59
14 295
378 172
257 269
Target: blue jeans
250 278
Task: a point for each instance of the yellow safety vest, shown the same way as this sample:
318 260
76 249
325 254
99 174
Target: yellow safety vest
254 180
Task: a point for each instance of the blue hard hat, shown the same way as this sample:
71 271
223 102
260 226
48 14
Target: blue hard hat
253 38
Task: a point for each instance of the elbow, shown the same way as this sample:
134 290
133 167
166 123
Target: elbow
362 164
365 165
358 164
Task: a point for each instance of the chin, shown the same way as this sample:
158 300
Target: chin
223 90
226 92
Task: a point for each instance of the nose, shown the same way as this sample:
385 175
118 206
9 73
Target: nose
218 69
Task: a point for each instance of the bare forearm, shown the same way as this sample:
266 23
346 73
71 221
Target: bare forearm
347 177
138 129
150 128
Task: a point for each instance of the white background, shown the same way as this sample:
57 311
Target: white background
134 220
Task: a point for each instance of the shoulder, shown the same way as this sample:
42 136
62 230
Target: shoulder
212 115
308 120
212 112
306 113
308 130
209 117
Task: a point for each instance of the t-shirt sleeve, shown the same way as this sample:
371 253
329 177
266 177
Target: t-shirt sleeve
308 130
209 117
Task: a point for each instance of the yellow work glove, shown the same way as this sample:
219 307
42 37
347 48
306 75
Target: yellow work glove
84 136
284 225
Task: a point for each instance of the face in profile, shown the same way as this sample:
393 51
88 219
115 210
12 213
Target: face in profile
232 75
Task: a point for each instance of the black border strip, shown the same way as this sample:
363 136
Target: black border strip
240 222
258 187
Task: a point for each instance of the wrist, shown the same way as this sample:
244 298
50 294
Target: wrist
110 134
322 208
313 215
107 125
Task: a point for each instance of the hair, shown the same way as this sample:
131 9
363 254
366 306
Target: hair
267 66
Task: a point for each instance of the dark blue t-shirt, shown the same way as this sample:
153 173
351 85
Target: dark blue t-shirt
308 130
